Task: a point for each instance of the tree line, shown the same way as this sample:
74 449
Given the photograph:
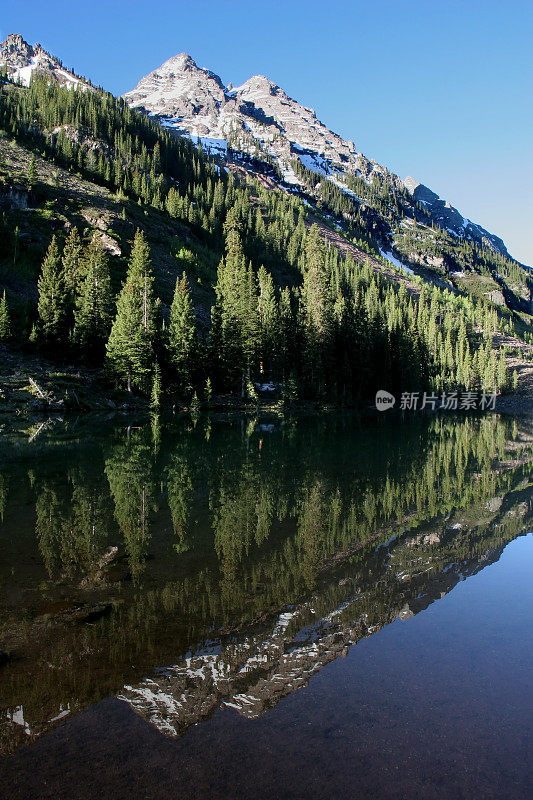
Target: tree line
338 336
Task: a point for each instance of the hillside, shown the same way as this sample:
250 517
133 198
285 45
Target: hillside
306 265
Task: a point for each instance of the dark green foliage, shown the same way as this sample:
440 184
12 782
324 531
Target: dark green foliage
92 317
72 263
155 400
182 342
5 320
52 304
235 323
129 354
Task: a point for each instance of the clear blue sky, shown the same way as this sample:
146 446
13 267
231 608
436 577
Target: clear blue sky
437 89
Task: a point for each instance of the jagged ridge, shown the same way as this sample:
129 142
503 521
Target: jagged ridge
22 60
260 114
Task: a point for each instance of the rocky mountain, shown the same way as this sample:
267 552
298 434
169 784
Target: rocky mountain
22 60
449 218
399 227
256 115
259 119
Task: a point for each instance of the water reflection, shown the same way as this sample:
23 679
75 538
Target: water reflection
190 564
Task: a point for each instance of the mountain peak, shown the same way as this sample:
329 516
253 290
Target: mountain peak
182 61
260 85
259 116
16 51
261 80
16 40
22 60
179 88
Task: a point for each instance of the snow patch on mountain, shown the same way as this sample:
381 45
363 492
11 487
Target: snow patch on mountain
395 261
22 61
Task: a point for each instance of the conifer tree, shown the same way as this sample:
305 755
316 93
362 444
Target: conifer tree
249 313
268 321
317 310
502 371
129 352
52 297
5 320
155 400
92 317
182 344
72 264
235 314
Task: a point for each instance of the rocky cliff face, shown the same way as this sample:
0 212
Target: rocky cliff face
258 114
449 218
260 119
22 60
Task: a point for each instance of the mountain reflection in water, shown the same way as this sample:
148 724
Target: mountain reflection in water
190 564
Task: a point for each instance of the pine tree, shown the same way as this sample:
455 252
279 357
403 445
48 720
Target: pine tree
317 311
155 400
235 316
92 317
5 320
502 378
268 322
288 334
52 297
72 264
129 352
249 314
208 391
182 343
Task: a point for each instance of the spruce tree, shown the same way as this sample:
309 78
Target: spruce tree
72 265
268 322
129 352
502 371
235 314
288 335
182 344
317 311
92 317
155 399
52 297
5 320
249 313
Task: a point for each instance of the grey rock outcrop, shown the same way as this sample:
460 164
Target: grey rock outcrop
259 118
450 219
259 113
22 60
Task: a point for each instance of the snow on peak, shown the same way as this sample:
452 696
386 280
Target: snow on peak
23 60
182 61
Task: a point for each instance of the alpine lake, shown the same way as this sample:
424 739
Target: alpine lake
229 606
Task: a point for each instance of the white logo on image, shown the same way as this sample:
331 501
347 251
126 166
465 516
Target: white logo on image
384 400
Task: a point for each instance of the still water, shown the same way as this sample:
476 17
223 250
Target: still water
229 607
